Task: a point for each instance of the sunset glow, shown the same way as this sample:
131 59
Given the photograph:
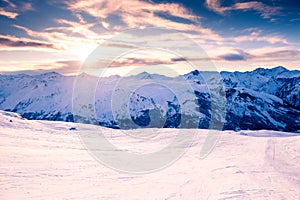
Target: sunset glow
59 35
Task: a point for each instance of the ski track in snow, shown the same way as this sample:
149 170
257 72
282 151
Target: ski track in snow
46 160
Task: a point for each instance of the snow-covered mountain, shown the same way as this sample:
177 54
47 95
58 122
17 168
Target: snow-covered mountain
259 99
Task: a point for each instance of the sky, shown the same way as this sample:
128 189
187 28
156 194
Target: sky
59 35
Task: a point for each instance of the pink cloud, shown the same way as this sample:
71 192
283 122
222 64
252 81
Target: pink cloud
264 10
10 41
26 7
256 36
103 8
65 67
11 10
10 4
8 14
215 5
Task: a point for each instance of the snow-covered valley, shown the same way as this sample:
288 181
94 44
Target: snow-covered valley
47 160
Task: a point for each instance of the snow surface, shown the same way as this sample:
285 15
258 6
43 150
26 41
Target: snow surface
46 160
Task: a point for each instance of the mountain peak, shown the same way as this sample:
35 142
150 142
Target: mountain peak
144 75
85 75
50 74
195 72
272 72
279 69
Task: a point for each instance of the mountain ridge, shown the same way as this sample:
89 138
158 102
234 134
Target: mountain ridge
258 99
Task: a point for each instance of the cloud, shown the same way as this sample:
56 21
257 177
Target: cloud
103 8
81 28
267 55
10 41
137 14
76 38
193 59
26 6
69 31
241 55
264 10
119 45
140 62
179 59
283 54
257 35
10 4
66 67
215 5
12 10
68 39
233 57
8 14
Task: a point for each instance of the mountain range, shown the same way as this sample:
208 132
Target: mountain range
259 99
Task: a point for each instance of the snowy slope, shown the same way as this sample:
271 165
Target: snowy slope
259 99
278 81
45 96
46 160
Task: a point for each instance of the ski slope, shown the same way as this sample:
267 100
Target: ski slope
46 160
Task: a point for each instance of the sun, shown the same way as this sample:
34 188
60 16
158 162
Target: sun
83 51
